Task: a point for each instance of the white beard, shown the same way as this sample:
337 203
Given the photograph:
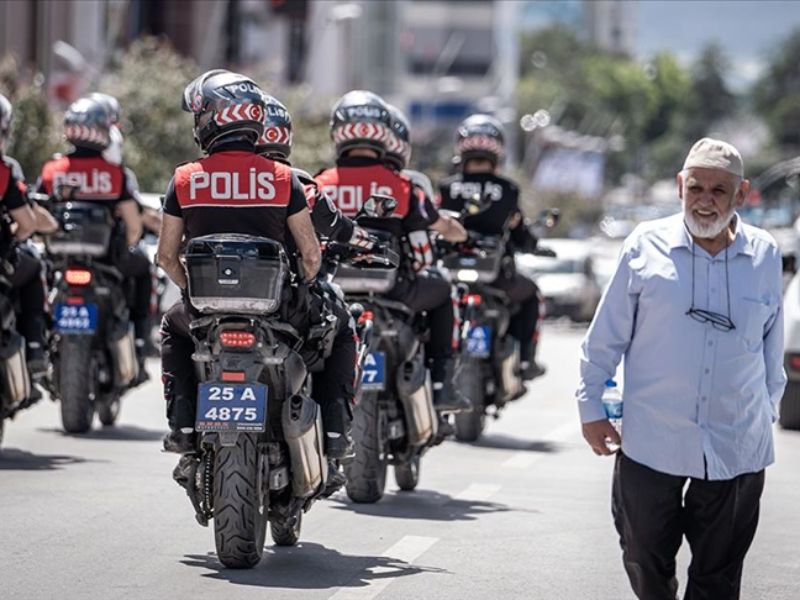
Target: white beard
710 230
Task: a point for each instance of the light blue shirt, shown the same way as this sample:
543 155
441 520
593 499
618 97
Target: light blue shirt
697 401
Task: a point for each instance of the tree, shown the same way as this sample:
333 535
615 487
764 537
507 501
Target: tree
711 100
776 94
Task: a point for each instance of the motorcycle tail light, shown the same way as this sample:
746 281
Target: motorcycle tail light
794 362
237 339
78 277
233 376
365 316
473 299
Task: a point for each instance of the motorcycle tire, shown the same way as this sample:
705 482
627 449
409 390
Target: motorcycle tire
469 424
366 473
76 382
108 410
407 474
286 531
240 511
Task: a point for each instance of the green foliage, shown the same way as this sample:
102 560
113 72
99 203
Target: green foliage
711 101
149 82
777 94
33 135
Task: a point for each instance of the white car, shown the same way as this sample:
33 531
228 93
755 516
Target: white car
790 404
567 281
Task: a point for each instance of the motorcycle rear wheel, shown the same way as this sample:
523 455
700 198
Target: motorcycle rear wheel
469 424
366 473
240 511
76 383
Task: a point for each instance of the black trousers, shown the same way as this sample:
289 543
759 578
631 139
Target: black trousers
652 513
137 267
524 325
332 387
429 292
27 280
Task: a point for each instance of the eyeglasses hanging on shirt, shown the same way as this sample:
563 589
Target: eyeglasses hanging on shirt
701 315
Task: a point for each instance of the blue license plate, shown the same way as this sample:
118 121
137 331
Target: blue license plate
75 318
374 376
231 407
479 342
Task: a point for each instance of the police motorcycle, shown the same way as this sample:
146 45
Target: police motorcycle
394 422
16 389
91 342
260 454
490 369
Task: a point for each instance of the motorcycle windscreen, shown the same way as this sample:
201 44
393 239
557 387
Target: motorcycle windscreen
231 407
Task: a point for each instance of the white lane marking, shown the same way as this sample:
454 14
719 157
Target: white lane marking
525 458
478 492
408 549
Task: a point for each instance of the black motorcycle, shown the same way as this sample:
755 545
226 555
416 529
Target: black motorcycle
92 346
394 422
260 457
15 384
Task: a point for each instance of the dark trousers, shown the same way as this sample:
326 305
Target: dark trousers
136 266
524 325
429 292
27 280
652 513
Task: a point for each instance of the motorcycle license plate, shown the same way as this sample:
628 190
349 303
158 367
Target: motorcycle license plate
75 318
231 407
479 342
374 375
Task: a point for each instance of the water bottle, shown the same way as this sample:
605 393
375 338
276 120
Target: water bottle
612 403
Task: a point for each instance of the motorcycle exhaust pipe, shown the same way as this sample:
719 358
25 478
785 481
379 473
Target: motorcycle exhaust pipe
14 369
123 352
302 428
416 394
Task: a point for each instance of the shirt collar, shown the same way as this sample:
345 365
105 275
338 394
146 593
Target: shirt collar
679 236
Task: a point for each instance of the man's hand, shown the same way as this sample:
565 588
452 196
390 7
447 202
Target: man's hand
596 433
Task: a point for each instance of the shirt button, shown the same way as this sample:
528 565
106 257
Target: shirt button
707 371
713 289
703 399
710 342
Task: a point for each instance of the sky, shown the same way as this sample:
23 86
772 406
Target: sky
746 29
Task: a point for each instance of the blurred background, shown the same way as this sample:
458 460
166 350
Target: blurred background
601 99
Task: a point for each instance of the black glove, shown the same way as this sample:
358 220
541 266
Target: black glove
544 251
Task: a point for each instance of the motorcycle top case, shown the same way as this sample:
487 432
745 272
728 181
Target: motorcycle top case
86 229
374 272
235 273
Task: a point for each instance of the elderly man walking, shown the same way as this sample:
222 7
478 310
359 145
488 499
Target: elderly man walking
695 308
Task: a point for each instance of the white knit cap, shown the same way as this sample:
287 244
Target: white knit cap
715 154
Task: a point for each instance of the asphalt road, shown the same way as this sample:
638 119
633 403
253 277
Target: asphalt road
522 514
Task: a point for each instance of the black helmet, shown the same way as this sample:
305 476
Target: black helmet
112 105
226 107
360 119
398 152
276 141
87 123
5 117
480 136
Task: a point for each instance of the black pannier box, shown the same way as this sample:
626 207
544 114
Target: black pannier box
86 229
482 265
371 272
235 273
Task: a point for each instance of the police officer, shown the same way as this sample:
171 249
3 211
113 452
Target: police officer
480 146
333 380
92 178
18 221
361 129
228 111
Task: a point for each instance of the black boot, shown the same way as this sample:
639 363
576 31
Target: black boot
336 421
528 367
446 396
141 355
181 442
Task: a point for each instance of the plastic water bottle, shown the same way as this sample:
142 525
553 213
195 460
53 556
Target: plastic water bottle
612 403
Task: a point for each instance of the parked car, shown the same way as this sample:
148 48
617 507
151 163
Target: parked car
790 404
567 281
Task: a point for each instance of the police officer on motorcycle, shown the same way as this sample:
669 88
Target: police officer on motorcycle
361 129
87 176
480 146
251 195
19 219
333 381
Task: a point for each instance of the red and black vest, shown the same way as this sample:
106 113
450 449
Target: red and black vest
93 178
349 187
234 192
